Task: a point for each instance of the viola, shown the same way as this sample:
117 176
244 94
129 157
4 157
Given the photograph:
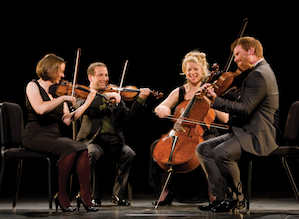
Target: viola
129 92
225 81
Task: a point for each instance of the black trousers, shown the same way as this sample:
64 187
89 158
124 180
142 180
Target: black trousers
219 158
120 153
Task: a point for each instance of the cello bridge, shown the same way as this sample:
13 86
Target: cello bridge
179 128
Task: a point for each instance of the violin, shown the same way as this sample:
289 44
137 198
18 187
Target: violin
81 91
65 88
129 92
72 89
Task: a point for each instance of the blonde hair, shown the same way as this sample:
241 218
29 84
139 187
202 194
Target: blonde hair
199 58
47 67
90 70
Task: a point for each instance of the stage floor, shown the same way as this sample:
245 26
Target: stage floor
262 206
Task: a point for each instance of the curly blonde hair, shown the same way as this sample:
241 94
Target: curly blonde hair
199 58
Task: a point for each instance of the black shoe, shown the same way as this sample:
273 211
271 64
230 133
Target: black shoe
227 206
81 201
209 206
96 202
57 203
120 201
167 200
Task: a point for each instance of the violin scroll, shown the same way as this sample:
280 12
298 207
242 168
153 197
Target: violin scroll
157 94
215 72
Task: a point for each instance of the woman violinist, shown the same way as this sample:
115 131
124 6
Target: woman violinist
195 68
42 133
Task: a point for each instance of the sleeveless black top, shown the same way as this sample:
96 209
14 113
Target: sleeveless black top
47 123
182 93
42 132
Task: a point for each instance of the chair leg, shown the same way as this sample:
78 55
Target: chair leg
249 178
130 195
290 176
2 171
49 184
17 186
71 187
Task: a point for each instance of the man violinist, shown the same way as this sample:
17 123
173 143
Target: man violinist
102 131
253 127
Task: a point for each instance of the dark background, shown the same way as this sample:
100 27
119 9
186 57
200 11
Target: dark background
154 38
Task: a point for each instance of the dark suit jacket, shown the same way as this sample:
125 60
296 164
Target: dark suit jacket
91 120
253 115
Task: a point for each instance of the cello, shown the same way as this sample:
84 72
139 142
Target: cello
176 149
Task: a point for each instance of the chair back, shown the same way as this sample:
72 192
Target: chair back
11 125
291 133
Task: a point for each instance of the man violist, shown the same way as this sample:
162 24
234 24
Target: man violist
253 127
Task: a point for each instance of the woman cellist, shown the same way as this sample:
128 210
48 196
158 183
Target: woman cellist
195 69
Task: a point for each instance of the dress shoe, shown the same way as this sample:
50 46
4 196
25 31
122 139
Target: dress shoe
96 202
64 209
209 206
120 201
166 201
81 201
227 206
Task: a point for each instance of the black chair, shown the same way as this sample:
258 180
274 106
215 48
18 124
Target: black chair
11 127
291 149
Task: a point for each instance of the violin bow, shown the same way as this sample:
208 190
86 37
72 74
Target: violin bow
76 70
122 78
230 59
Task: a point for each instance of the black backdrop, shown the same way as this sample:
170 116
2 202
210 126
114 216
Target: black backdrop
154 38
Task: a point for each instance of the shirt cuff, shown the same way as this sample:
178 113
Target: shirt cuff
140 100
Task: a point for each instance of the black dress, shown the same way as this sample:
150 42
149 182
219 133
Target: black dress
42 132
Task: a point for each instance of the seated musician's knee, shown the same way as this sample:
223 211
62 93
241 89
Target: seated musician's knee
129 153
94 152
219 155
204 149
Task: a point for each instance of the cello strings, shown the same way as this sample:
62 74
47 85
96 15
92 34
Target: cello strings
214 125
